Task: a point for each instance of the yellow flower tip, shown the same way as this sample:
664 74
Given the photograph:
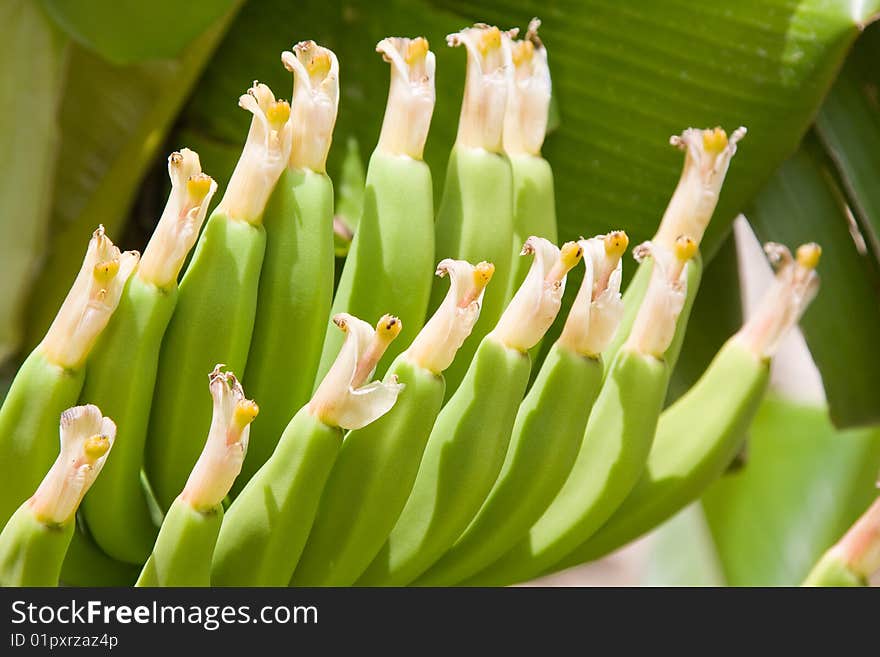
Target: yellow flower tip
416 50
490 39
106 271
570 254
198 186
341 322
246 410
808 255
278 113
96 446
483 273
522 52
388 328
685 248
615 243
714 140
317 60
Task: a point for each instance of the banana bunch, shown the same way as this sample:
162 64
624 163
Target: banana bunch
406 452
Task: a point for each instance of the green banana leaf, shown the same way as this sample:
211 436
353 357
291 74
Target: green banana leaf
113 119
683 553
803 203
130 31
805 483
848 126
31 74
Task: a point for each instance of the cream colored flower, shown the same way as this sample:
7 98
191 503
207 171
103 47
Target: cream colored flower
410 97
435 346
263 158
222 457
655 322
707 156
488 78
782 306
344 398
86 440
315 102
598 307
181 221
528 99
537 301
92 299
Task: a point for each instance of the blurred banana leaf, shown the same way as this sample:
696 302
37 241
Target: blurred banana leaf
31 82
114 119
682 552
802 203
804 485
129 31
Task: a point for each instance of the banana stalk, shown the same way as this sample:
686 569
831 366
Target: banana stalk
115 509
266 526
34 542
361 502
391 258
296 281
214 317
700 434
466 448
619 432
185 545
475 218
550 422
51 378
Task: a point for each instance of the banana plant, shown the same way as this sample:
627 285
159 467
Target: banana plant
544 135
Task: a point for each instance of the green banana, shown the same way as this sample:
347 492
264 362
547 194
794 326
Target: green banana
550 421
699 435
214 317
707 157
185 545
267 525
51 378
619 432
296 281
361 502
855 558
34 542
382 269
475 217
85 564
466 448
115 510
525 124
